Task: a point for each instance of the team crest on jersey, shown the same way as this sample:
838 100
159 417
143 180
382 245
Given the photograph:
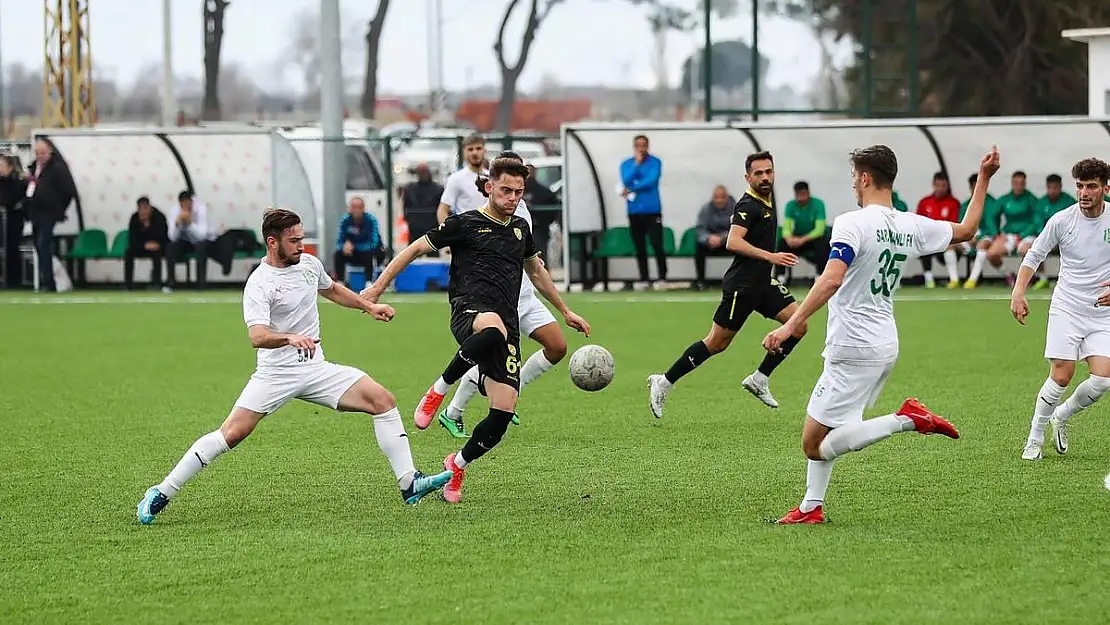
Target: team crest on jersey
309 278
1106 235
520 235
512 350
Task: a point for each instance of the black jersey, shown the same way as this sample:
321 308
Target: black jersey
758 216
487 258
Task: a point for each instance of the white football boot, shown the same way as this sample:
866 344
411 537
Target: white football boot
659 386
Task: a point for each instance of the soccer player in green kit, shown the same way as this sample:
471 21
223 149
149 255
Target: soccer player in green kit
1014 218
1054 201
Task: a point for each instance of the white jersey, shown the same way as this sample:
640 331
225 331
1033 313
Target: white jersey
1084 244
284 299
461 192
875 241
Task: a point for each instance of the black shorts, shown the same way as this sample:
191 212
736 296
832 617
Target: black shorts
769 301
504 364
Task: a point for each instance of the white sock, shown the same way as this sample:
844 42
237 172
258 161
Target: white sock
394 443
928 276
977 268
951 263
759 378
818 474
1088 392
856 436
460 462
1041 275
440 386
534 367
468 386
1047 398
206 449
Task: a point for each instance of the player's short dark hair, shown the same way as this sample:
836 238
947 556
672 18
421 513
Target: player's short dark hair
1018 174
474 139
801 185
939 176
879 162
758 156
511 154
1091 169
507 167
184 195
973 179
638 137
142 200
278 220
1054 178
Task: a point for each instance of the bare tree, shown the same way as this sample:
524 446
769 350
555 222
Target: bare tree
510 73
214 11
303 54
370 77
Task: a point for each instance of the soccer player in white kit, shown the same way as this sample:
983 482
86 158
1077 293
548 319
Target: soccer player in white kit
536 322
869 248
1079 315
460 193
280 310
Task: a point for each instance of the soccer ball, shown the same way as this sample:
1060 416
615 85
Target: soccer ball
591 368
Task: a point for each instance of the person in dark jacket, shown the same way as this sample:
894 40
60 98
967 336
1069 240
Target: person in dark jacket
147 237
420 200
13 188
714 222
50 190
358 242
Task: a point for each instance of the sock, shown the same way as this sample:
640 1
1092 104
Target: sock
206 449
691 359
1047 398
468 386
460 462
472 350
536 365
951 263
1088 392
394 443
770 361
1041 276
856 436
487 434
977 268
818 474
929 276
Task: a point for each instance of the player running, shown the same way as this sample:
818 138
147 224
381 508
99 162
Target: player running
460 194
748 287
869 248
536 322
1079 315
490 249
280 310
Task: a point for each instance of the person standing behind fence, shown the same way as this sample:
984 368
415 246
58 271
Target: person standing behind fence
50 191
147 237
640 176
13 188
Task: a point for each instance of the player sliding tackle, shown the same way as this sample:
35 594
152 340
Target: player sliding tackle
748 287
283 322
1079 315
869 247
490 249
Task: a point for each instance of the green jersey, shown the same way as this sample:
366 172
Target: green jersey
802 220
1016 214
1047 208
899 205
988 208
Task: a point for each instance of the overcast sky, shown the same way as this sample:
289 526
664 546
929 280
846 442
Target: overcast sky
585 42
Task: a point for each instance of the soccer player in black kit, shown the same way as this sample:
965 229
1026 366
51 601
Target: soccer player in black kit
748 287
490 250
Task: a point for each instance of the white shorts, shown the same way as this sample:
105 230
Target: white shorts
323 383
1013 241
533 315
1074 337
845 390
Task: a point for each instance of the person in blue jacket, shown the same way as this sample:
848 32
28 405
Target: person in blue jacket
640 177
358 242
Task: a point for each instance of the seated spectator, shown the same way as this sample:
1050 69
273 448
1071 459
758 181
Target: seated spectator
940 205
899 204
1012 220
358 241
714 222
1054 201
804 230
147 237
189 234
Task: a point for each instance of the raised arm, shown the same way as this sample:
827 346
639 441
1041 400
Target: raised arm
345 297
967 227
414 250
